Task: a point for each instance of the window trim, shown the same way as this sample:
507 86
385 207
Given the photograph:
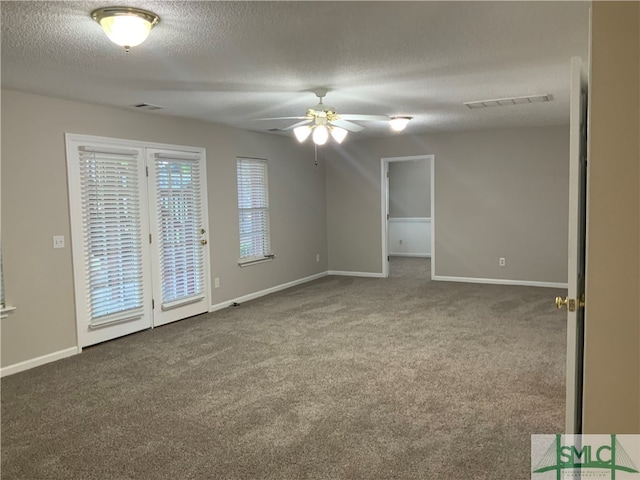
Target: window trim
4 308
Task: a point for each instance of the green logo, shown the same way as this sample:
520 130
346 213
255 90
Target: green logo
585 455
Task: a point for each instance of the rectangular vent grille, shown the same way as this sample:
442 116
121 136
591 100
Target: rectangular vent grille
503 102
147 106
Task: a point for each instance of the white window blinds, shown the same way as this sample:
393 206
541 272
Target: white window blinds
110 193
178 197
253 210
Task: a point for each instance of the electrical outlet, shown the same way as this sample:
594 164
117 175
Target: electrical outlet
216 283
502 262
317 258
58 241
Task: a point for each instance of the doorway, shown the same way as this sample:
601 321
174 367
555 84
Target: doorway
408 220
139 235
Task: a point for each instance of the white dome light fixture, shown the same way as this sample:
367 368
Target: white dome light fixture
126 26
398 124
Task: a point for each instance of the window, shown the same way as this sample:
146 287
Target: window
1 282
253 210
4 309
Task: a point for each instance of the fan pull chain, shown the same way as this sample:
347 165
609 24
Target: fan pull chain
315 148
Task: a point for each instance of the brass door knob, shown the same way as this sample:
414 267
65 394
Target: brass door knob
203 242
561 302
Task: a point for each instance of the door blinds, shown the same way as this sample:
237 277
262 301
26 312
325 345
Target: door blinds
111 206
178 198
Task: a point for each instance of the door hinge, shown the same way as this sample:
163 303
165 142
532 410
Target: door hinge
153 304
149 238
388 258
387 216
147 170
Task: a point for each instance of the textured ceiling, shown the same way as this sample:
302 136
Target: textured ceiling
232 62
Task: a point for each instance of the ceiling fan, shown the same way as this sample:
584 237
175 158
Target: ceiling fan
322 120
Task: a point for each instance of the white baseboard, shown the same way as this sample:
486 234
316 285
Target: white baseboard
499 281
355 274
420 255
262 293
36 362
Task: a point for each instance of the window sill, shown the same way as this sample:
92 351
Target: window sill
4 311
254 261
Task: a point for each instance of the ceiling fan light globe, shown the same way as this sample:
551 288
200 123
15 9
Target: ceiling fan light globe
302 132
320 135
338 134
398 124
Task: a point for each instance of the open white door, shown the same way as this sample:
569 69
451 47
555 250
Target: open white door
577 235
385 218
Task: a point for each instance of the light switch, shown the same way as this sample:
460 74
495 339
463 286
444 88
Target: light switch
58 241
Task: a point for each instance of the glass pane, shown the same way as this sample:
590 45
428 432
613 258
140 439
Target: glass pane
179 222
111 205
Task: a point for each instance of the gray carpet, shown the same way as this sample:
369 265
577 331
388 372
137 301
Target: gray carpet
340 378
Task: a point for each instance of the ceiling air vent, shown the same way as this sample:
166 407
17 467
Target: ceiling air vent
147 106
503 102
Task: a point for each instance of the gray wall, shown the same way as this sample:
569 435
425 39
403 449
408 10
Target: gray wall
498 193
35 207
410 189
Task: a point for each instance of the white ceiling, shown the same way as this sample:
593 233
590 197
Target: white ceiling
232 62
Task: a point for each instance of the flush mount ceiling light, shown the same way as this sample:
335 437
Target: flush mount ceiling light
398 124
125 26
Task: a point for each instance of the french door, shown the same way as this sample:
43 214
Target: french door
178 234
139 235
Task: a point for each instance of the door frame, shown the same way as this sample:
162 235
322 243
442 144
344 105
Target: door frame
384 207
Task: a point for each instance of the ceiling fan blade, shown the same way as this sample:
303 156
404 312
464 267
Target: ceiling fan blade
280 118
352 127
298 124
365 118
